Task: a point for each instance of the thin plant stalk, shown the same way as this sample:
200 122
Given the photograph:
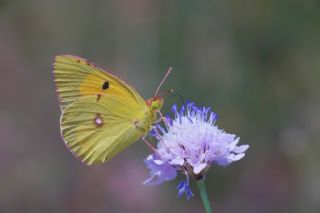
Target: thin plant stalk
204 196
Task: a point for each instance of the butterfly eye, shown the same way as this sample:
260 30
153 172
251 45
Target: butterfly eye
155 105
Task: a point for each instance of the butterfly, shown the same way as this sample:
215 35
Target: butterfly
101 114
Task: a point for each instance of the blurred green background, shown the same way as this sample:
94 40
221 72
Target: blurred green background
255 62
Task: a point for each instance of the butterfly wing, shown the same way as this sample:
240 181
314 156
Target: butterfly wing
76 77
101 114
97 131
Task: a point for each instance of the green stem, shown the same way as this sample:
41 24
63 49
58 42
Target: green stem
204 195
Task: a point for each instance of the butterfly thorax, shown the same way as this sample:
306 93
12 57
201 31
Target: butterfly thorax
154 105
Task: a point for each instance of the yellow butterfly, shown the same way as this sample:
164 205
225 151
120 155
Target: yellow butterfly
101 113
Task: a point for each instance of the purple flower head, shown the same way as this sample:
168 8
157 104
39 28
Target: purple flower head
191 143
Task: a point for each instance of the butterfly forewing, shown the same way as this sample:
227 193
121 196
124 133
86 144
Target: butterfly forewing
76 77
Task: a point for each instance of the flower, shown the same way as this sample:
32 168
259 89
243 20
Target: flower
190 143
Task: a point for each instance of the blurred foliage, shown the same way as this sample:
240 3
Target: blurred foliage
255 62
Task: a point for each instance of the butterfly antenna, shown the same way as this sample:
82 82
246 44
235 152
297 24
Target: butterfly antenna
163 80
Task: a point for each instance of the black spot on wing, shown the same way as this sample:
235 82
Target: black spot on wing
105 85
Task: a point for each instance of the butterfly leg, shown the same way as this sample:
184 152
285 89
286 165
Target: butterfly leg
158 121
148 144
163 119
161 116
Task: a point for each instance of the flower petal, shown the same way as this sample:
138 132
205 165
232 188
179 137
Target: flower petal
235 157
177 161
234 143
240 149
160 171
184 188
199 167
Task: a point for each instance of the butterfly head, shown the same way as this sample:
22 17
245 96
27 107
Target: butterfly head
155 103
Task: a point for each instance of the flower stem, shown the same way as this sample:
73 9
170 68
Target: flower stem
204 195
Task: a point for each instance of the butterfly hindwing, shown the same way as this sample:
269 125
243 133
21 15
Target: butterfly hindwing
96 131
